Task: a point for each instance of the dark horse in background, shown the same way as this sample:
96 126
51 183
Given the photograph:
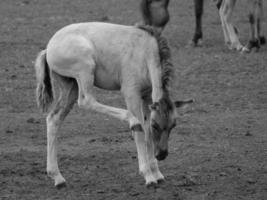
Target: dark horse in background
155 13
198 35
226 8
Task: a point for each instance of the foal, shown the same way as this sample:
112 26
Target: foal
155 13
112 57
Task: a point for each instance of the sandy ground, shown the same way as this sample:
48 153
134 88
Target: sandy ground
218 151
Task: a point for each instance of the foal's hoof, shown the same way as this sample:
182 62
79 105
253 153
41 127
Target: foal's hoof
161 181
151 185
61 185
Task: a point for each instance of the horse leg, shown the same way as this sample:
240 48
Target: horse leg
150 147
86 100
134 105
254 41
144 7
54 120
224 27
260 17
258 13
230 32
197 38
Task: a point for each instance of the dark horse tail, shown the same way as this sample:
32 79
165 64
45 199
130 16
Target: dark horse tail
44 90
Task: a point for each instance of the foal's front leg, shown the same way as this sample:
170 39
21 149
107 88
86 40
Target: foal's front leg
134 105
143 159
150 146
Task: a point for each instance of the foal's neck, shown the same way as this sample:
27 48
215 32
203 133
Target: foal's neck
156 81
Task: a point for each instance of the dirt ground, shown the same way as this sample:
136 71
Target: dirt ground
218 151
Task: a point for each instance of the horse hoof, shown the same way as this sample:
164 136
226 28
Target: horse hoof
193 43
199 43
151 185
61 185
262 40
190 44
161 181
239 48
245 50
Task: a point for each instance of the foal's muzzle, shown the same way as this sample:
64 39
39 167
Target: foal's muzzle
162 154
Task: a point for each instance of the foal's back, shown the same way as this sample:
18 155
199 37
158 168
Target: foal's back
110 49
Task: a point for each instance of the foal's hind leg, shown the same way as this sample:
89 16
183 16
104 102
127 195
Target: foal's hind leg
68 96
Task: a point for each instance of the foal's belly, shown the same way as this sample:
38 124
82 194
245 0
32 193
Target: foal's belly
105 80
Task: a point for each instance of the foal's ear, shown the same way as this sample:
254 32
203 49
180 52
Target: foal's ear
183 104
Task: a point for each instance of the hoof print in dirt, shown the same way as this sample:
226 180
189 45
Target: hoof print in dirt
251 181
9 131
13 76
105 19
187 181
248 133
100 191
33 121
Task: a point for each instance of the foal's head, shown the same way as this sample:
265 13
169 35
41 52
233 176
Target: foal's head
162 117
162 121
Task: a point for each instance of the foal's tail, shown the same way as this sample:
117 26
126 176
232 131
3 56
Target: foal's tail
44 90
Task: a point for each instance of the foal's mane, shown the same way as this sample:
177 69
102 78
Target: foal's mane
164 55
